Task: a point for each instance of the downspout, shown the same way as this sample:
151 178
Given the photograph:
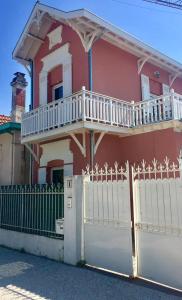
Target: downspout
30 108
91 88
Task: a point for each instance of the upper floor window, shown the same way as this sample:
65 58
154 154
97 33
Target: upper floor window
57 91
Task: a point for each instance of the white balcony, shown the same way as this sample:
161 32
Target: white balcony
86 109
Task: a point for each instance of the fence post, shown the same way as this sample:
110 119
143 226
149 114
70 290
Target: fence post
133 203
73 189
180 164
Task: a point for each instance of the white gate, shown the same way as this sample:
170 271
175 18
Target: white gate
157 191
107 239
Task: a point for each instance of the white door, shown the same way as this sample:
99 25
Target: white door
167 102
148 106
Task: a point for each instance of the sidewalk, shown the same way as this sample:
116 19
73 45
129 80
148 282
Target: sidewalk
24 276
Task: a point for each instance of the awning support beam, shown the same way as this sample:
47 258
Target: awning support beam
35 156
99 141
82 146
172 78
141 62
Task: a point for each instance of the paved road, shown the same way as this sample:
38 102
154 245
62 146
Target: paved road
24 276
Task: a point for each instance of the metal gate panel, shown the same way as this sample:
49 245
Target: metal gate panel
107 219
157 191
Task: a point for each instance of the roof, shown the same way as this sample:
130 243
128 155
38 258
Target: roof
9 127
42 17
4 119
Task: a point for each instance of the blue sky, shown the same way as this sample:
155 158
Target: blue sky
156 25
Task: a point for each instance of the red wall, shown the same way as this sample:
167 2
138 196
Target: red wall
55 76
115 73
79 60
147 146
114 70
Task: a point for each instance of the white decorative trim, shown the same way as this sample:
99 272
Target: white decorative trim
35 156
87 37
141 62
82 147
98 141
172 78
107 173
55 36
60 56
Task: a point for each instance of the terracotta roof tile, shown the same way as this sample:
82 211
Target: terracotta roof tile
4 119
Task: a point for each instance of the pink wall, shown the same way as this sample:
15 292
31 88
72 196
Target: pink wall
114 70
115 73
147 146
158 144
55 76
79 60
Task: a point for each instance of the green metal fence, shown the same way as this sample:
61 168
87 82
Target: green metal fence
31 208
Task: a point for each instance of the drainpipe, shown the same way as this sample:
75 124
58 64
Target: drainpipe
32 85
30 108
91 88
90 69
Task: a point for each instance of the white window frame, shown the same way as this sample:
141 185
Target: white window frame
54 169
55 87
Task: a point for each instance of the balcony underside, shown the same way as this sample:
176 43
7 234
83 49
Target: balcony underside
82 126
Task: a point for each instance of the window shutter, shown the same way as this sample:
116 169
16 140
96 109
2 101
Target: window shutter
165 89
145 87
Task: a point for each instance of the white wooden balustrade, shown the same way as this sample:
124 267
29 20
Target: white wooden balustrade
94 107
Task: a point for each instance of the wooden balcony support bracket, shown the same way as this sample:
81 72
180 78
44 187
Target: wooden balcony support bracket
34 37
35 156
172 78
98 141
87 37
82 146
141 62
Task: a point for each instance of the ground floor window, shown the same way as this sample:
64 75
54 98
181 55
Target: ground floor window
57 175
57 91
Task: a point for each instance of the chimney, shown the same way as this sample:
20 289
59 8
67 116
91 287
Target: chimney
18 84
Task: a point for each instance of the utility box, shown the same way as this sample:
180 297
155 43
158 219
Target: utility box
60 226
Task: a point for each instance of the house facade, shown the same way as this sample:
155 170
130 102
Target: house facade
98 95
14 157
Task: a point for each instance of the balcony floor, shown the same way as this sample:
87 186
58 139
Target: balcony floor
79 127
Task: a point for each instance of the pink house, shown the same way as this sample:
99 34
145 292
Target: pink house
98 95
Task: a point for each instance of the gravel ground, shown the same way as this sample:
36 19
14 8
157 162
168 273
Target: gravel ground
24 276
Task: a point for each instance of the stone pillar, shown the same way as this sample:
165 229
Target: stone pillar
18 84
73 194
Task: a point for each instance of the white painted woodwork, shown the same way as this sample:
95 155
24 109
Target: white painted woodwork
158 209
145 87
60 56
165 89
107 219
59 150
55 36
103 110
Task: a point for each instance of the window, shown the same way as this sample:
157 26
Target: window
57 175
57 91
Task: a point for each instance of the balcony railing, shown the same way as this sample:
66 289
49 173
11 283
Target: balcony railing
93 107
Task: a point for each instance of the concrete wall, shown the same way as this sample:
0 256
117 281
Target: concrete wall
34 244
6 159
14 160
